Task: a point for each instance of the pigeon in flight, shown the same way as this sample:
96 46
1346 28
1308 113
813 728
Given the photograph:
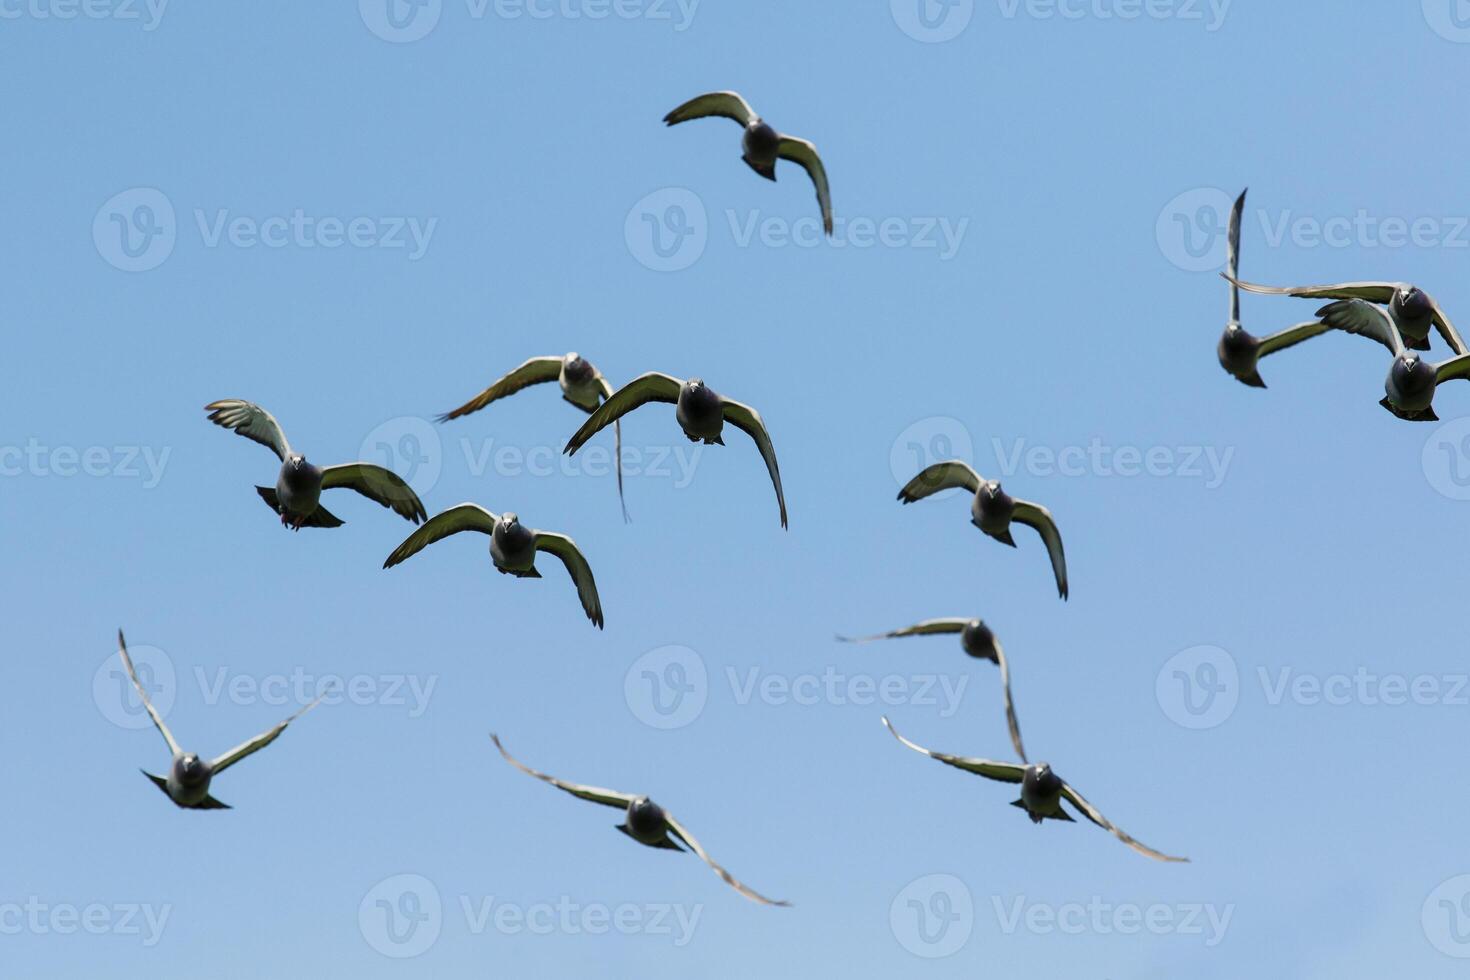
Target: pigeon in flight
762 146
645 821
992 510
299 485
1042 791
513 548
1239 350
582 385
1412 381
978 641
701 413
189 775
1414 311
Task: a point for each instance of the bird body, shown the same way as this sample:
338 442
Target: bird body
762 145
513 547
699 413
992 510
1041 794
298 488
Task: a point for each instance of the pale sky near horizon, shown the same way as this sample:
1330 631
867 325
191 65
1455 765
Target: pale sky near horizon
358 215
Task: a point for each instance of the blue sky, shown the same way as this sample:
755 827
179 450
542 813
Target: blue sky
358 221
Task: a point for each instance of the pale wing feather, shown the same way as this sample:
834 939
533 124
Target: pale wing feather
678 831
537 370
377 484
606 797
749 421
650 387
805 153
1091 813
1037 516
251 421
1005 772
928 627
168 736
726 105
571 556
950 475
464 517
260 741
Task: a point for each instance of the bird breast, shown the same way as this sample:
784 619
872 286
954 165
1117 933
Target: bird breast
760 142
646 822
700 414
513 547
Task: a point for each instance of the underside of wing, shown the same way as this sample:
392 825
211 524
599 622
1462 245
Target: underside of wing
606 797
726 105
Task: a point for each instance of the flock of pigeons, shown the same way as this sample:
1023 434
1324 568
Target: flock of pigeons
1398 315
702 415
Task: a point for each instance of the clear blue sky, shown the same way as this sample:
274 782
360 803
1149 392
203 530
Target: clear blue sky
1069 317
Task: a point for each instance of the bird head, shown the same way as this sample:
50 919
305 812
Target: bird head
1411 382
1412 302
696 384
510 519
576 367
190 769
296 460
645 818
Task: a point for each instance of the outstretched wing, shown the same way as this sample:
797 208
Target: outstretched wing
376 483
260 741
650 387
1005 772
805 153
1232 255
571 556
749 421
1091 813
941 476
607 392
1005 683
1291 336
927 628
677 829
252 422
537 370
168 736
606 797
728 105
1447 329
1366 319
1455 367
1373 292
1037 516
465 517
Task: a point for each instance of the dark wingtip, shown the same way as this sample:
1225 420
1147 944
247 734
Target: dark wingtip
1252 380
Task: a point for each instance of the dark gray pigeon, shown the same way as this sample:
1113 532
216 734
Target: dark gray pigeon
582 385
977 640
1412 381
701 413
1042 791
644 821
513 548
299 484
761 145
992 510
189 776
